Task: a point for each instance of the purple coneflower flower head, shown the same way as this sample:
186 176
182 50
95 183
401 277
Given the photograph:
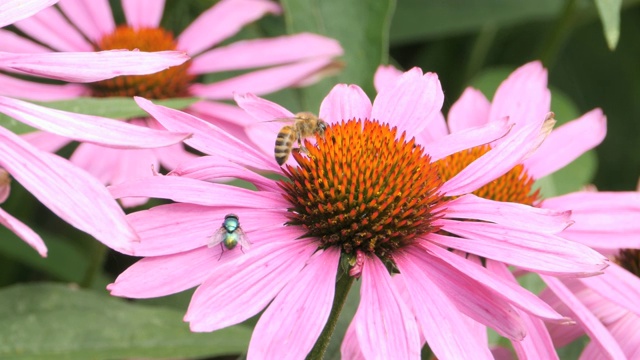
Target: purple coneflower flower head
366 201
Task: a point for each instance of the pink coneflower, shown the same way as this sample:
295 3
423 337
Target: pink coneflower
605 221
65 189
77 25
367 196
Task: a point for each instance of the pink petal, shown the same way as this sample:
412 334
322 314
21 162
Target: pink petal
211 168
261 109
607 220
386 76
542 253
436 130
470 110
590 323
514 293
523 97
164 275
294 320
385 327
143 13
251 280
171 156
626 332
496 162
11 86
174 228
345 102
67 191
263 81
517 215
15 10
207 137
221 21
219 111
183 189
447 144
45 141
72 67
49 27
257 53
618 286
87 128
411 103
24 232
567 143
14 43
94 18
432 305
350 348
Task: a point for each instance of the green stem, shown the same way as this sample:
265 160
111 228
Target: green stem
342 290
97 255
480 49
558 34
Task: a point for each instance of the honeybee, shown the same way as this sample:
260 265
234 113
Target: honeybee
229 235
305 124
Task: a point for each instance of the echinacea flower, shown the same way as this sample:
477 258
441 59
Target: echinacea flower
367 196
65 189
269 64
605 221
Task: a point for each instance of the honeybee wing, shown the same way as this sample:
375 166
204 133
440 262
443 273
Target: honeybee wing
242 238
217 237
289 120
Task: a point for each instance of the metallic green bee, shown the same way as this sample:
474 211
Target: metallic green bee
229 235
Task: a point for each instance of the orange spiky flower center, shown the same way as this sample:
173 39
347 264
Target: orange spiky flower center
514 186
172 82
630 260
363 189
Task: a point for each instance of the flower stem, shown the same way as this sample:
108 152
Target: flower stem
97 257
559 33
342 290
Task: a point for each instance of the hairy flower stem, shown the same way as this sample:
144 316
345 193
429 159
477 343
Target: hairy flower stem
342 290
98 255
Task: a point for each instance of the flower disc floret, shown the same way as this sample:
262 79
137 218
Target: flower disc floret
363 188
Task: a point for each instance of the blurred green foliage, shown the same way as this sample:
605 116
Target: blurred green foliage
467 42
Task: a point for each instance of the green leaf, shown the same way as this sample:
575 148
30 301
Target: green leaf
361 27
53 321
13 125
609 11
417 20
113 107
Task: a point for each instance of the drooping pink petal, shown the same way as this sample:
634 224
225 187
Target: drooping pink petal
93 129
72 66
496 162
261 81
24 232
470 110
45 141
518 295
436 130
385 76
261 109
350 348
221 21
447 144
450 339
607 220
211 168
590 323
221 112
385 327
626 331
165 275
207 137
15 10
256 53
143 13
183 189
18 88
67 191
49 27
290 326
566 143
529 250
517 215
251 280
94 18
523 97
411 103
618 286
174 228
14 43
345 102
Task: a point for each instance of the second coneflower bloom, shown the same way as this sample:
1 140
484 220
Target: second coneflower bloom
364 201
